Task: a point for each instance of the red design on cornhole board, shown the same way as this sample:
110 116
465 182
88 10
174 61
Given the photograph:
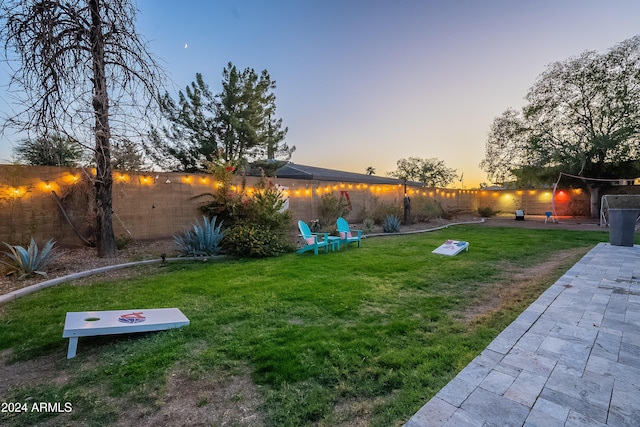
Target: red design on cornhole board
135 317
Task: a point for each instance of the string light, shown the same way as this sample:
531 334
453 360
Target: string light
498 199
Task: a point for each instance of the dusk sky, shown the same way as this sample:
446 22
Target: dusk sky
365 83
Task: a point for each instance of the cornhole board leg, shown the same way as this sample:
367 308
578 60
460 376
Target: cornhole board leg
73 346
94 323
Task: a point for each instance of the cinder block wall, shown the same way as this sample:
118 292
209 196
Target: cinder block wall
567 202
150 206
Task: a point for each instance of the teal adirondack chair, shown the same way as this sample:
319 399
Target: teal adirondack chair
312 243
348 235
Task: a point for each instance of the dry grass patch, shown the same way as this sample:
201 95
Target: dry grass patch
517 285
214 399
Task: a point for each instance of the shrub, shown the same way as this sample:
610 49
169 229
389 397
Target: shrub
381 210
451 213
331 208
266 210
423 209
123 241
226 204
391 224
228 207
254 241
367 225
203 240
487 212
26 262
315 226
260 226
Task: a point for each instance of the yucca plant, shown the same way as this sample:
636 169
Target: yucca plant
25 262
391 224
203 240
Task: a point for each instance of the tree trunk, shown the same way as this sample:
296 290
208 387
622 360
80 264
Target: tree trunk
407 210
105 239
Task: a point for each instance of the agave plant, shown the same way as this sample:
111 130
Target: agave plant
203 240
391 224
26 262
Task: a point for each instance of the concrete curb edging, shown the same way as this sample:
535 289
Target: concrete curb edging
11 296
442 227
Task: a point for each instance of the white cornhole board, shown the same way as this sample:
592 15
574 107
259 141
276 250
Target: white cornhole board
451 247
92 323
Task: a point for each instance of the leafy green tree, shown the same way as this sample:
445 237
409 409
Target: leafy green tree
234 126
582 118
188 142
432 172
126 155
246 127
54 150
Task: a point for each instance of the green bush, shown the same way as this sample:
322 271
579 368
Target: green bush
331 208
451 213
228 207
265 210
487 212
381 210
25 262
253 241
260 226
203 240
251 221
424 209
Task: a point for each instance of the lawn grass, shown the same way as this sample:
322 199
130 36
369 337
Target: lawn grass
365 334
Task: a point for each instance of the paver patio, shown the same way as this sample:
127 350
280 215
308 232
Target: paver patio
571 359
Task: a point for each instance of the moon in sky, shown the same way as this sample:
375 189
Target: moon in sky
186 45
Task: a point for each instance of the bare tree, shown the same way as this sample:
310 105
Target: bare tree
80 69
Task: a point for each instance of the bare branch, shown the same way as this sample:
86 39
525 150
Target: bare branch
81 70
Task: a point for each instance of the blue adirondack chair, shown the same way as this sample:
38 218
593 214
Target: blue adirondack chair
348 235
311 240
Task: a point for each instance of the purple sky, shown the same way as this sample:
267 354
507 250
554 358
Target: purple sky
365 83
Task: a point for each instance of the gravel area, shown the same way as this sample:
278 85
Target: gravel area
84 258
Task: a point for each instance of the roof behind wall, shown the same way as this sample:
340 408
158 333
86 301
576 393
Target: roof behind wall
295 171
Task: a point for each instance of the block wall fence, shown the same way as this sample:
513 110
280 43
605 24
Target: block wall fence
34 201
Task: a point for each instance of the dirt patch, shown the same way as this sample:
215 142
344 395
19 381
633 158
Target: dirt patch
220 400
31 373
515 283
356 412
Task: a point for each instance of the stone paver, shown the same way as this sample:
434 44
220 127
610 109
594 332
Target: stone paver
571 359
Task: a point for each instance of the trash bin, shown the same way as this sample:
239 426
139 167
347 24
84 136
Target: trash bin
622 226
